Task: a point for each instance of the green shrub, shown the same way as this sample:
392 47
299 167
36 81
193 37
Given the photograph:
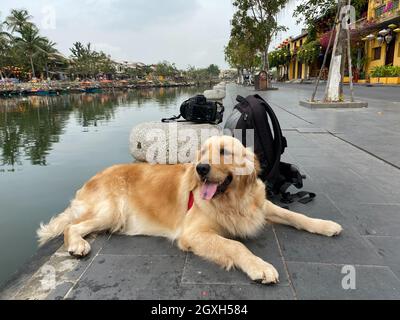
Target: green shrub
309 52
385 71
279 57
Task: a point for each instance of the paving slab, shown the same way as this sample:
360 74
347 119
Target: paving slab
345 187
264 246
141 246
313 281
389 249
130 277
347 248
236 292
376 219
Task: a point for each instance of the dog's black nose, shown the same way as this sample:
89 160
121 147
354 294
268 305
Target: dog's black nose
203 169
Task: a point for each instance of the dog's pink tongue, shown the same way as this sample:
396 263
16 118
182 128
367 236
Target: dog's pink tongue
208 190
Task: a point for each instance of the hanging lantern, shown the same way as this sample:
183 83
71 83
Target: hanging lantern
392 26
397 30
383 32
380 40
370 37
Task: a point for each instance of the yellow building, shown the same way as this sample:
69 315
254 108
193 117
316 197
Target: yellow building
297 70
382 44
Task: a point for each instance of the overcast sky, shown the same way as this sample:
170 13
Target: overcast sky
187 32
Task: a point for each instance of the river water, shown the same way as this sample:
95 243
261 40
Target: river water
49 146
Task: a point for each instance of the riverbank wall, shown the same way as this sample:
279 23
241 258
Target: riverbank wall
63 87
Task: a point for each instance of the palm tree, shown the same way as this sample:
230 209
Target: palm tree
5 38
17 20
30 42
49 53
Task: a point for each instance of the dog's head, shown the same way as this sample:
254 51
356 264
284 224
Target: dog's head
223 163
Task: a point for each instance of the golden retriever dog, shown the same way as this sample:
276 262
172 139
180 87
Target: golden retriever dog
225 202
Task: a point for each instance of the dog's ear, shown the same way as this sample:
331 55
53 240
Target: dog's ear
252 166
254 175
257 166
191 177
252 157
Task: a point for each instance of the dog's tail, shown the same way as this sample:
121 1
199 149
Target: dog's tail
54 228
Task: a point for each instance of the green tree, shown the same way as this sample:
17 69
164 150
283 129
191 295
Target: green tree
255 22
242 55
202 74
309 11
30 42
5 39
87 62
213 70
17 19
49 55
166 69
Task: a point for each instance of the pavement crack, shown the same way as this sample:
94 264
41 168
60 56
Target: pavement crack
285 265
365 150
84 271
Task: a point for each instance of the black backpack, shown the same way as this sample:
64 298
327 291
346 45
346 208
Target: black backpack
269 145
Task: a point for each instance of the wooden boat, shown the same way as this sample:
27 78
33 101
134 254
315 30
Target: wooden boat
77 90
41 92
93 90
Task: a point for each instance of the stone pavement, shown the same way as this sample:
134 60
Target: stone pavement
352 160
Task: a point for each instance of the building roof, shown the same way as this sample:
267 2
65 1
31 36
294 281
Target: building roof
302 35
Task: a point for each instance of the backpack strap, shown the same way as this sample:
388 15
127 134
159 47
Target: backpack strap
279 141
263 138
303 197
172 119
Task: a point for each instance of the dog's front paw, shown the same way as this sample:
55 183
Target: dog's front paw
328 228
262 272
79 248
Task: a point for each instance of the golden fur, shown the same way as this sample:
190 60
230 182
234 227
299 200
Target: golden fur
145 199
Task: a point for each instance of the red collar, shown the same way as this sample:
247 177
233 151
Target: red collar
191 200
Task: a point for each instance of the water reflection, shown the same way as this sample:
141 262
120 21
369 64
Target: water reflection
29 126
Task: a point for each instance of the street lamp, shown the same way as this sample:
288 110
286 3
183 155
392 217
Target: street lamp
389 38
383 32
370 37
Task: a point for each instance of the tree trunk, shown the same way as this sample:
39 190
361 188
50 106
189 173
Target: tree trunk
332 92
266 67
32 66
265 60
47 71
